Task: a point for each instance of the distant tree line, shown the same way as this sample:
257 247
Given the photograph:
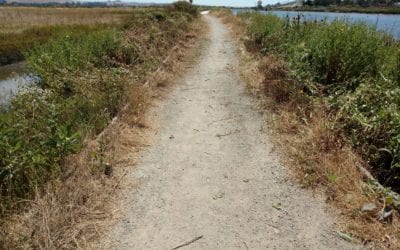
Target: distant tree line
363 3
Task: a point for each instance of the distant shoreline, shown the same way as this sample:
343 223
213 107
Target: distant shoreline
345 9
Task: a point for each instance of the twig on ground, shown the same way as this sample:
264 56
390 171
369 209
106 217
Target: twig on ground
119 180
228 133
220 120
188 243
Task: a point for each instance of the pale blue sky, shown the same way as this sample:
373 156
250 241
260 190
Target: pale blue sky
238 3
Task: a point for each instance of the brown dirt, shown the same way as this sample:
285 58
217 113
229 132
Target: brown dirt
213 175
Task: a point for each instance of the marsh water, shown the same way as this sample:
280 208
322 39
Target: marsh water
384 22
12 77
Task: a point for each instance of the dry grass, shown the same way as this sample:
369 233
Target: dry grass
238 28
78 209
17 19
318 156
322 161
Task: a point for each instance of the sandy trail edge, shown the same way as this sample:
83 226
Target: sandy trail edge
213 172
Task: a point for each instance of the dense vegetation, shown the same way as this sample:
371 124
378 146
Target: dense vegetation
85 77
350 67
21 28
14 45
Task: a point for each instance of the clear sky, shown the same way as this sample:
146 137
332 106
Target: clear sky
236 3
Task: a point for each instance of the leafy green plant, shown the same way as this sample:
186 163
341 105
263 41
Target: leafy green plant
70 52
85 76
352 67
185 7
13 46
33 142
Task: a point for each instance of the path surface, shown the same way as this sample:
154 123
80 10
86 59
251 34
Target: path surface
212 172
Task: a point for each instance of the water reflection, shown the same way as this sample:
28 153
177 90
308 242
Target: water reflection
384 22
13 77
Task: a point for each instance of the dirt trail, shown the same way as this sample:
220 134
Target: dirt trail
213 172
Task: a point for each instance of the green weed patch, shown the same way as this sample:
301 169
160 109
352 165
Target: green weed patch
350 66
86 74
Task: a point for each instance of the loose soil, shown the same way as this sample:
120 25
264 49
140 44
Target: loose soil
212 178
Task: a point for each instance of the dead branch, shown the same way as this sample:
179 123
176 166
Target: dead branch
188 243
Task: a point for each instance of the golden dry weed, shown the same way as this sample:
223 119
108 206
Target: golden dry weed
17 19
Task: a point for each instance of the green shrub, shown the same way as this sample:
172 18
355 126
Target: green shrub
185 7
354 68
265 32
14 45
370 118
84 74
71 52
342 53
34 141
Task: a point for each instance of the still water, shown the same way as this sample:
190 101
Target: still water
12 77
385 22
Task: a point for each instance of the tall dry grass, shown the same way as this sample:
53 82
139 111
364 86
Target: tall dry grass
18 19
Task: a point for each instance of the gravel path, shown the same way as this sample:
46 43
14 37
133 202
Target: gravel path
213 172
